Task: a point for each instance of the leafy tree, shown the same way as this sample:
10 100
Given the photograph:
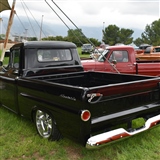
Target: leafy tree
138 41
151 35
76 37
2 36
125 36
113 35
32 39
57 38
49 38
95 41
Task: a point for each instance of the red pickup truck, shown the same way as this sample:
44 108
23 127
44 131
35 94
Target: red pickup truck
121 59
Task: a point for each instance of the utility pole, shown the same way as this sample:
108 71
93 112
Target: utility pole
8 29
41 28
103 30
26 34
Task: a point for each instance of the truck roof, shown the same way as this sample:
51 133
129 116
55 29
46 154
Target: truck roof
119 47
47 44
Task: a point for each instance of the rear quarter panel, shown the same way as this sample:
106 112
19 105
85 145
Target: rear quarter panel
64 104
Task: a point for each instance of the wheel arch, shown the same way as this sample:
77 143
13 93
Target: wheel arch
56 134
36 107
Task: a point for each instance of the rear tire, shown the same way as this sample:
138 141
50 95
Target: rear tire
46 126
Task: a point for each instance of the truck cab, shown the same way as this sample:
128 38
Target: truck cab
33 59
113 59
122 59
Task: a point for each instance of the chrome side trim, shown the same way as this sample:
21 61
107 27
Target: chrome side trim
120 133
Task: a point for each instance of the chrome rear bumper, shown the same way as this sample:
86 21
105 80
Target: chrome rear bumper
120 133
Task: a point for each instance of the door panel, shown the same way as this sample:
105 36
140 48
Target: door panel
8 92
8 81
123 63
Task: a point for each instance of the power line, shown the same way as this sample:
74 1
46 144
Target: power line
20 22
63 22
72 22
33 17
28 19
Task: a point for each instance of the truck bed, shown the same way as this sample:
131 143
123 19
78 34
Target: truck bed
106 90
112 99
92 79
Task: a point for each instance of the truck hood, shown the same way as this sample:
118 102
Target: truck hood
88 61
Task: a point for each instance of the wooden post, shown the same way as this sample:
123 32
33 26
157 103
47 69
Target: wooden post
8 30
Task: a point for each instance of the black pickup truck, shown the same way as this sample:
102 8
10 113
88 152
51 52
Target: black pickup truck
45 81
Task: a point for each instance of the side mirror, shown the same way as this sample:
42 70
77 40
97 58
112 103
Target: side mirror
1 63
7 53
114 61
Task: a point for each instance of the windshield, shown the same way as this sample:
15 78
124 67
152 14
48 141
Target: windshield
101 58
86 46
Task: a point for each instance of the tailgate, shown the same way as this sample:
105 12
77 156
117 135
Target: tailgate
117 104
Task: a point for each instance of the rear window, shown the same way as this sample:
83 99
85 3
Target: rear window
44 55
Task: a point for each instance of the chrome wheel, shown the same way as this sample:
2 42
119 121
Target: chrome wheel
43 123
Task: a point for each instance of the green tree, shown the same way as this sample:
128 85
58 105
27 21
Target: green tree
2 36
76 37
125 36
113 34
95 41
138 41
32 39
151 35
57 38
49 38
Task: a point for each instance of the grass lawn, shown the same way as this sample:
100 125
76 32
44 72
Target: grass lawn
20 141
82 55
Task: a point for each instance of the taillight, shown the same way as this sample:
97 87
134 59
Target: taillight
85 115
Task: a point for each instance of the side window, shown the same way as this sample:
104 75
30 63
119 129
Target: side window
119 56
15 61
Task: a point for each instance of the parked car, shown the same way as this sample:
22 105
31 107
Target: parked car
87 48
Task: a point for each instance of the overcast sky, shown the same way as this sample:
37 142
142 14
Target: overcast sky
92 13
